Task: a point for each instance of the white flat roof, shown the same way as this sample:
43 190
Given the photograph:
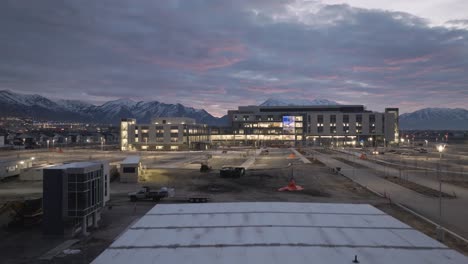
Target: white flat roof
273 233
75 165
131 160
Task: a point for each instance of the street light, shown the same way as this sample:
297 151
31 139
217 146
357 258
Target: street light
440 230
427 142
53 143
48 144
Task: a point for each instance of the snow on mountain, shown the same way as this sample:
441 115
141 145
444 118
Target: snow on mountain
436 118
73 105
296 102
10 97
41 108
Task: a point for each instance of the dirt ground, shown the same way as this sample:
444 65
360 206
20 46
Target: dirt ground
320 185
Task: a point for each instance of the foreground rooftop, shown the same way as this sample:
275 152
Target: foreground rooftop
273 233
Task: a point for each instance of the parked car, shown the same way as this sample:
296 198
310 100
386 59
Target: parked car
232 172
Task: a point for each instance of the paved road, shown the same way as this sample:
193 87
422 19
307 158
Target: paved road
455 213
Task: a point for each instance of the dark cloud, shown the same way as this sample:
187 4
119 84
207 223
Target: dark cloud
217 55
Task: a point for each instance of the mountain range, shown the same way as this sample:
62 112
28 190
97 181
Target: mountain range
435 119
42 108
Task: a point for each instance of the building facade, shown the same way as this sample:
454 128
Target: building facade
165 133
339 125
311 125
73 196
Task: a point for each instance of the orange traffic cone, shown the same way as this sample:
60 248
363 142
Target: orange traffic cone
292 156
292 186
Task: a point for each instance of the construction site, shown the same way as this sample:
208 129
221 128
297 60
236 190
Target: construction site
285 175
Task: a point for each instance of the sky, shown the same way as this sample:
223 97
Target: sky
220 54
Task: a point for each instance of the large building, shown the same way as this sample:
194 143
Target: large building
311 125
74 195
165 133
269 125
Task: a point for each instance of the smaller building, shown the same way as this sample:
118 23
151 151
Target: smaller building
73 196
13 167
164 133
129 169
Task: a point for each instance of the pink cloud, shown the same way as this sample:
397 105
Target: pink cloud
374 68
276 90
408 60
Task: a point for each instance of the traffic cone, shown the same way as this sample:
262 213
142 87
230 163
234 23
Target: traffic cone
292 186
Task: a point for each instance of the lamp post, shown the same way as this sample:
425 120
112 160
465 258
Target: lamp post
53 143
48 143
440 230
427 142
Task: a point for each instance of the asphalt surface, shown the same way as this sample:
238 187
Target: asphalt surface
454 211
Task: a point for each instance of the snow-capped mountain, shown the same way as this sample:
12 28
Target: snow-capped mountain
73 105
41 108
436 118
296 102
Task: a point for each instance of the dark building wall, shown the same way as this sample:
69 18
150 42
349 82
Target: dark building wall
53 223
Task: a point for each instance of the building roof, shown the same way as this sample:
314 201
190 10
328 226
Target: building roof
131 160
13 160
273 233
74 165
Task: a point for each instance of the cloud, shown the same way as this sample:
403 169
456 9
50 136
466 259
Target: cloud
228 53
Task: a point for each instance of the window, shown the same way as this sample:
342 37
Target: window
105 185
358 118
333 119
345 118
128 170
320 119
320 129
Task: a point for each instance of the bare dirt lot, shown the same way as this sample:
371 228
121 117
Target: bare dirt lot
260 183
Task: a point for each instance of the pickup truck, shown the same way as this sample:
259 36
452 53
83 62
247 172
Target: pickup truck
232 172
146 193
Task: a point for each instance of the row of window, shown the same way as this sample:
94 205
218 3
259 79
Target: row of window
345 119
265 118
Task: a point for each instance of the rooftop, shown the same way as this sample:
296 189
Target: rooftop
131 160
273 233
75 165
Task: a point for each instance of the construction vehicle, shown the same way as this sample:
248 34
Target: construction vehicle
145 193
231 172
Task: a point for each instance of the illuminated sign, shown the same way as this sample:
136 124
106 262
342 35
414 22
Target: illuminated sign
289 124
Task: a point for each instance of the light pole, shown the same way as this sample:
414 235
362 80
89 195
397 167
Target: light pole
48 144
427 142
440 230
53 143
